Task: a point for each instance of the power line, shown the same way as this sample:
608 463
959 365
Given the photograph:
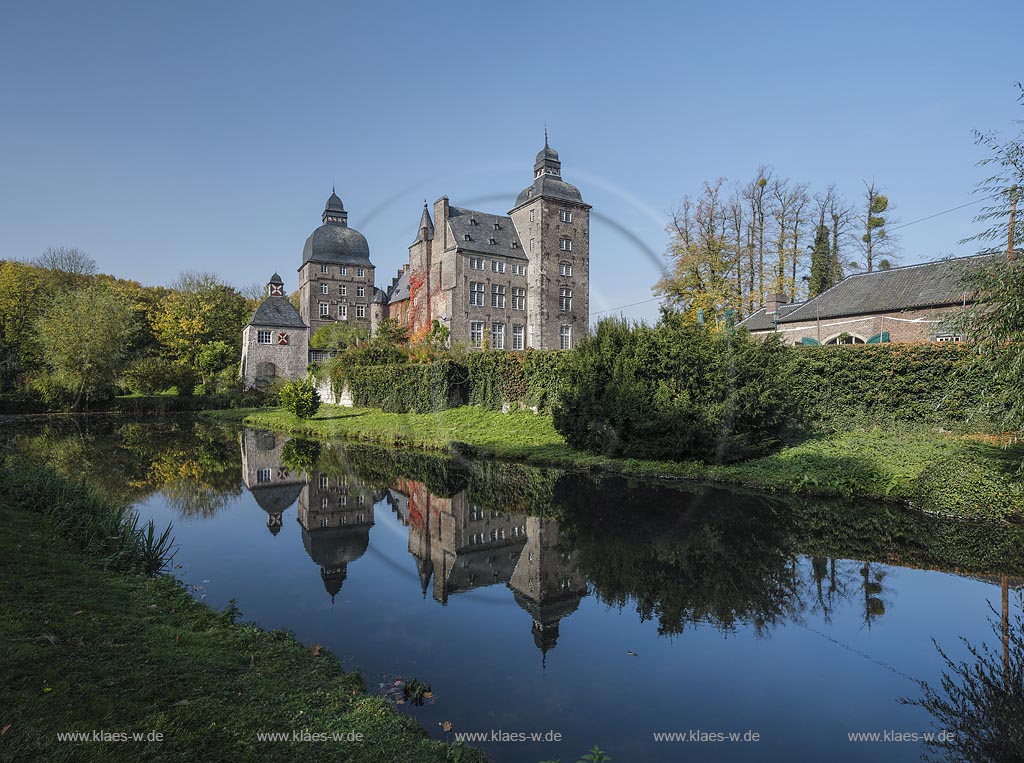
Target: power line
938 214
632 304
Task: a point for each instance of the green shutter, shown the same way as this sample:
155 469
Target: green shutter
879 338
808 341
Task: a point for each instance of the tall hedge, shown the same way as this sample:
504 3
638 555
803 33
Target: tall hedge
534 378
407 388
854 385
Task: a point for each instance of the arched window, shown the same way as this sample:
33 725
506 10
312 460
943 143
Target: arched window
845 338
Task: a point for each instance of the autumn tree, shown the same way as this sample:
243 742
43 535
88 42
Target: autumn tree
86 340
24 296
699 280
199 309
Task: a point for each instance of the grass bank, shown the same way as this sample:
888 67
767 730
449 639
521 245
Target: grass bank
931 470
86 646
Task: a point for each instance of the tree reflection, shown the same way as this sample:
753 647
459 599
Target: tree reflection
979 702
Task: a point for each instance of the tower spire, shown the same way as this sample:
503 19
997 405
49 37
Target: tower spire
545 135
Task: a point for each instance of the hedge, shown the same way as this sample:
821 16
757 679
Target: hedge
942 385
533 379
407 388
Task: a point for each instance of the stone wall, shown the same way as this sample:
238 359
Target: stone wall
310 296
262 363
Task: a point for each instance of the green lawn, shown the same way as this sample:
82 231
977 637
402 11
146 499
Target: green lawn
933 471
86 649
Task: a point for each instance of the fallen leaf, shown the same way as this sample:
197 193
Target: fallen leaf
447 725
315 651
47 690
5 729
428 694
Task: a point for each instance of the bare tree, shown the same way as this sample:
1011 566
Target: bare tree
67 259
754 193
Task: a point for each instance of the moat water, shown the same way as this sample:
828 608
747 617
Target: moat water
539 602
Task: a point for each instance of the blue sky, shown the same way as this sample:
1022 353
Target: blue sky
207 136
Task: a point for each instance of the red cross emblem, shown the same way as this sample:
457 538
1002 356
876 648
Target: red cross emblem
276 290
282 337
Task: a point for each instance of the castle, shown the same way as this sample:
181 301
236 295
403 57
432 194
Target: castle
512 282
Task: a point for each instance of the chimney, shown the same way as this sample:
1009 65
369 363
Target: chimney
772 302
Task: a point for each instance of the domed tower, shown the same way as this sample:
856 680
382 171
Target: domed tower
336 276
553 223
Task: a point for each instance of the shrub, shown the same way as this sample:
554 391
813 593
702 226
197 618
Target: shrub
674 391
147 376
300 397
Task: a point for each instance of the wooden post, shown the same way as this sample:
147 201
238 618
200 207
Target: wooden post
1013 224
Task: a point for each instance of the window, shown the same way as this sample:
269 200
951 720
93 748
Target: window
360 291
949 338
518 298
324 482
565 215
263 337
518 337
343 270
323 520
466 237
343 312
515 244
498 336
343 501
564 269
360 311
476 294
497 295
498 267
323 507
565 337
323 288
360 272
476 333
492 241
263 475
533 215
565 244
531 244
325 310
342 291
323 268
519 270
565 299
476 263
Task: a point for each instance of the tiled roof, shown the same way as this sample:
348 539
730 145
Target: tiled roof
277 311
929 284
474 231
762 321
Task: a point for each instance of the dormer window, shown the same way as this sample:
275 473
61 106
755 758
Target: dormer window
493 240
466 237
515 244
472 221
497 227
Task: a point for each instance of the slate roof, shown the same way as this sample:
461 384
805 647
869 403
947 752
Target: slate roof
337 244
400 290
481 230
425 222
277 312
551 187
912 287
762 321
275 499
334 546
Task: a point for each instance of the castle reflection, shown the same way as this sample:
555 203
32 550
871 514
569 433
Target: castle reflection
457 545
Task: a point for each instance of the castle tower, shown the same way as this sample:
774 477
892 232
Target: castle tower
553 223
275 342
336 276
